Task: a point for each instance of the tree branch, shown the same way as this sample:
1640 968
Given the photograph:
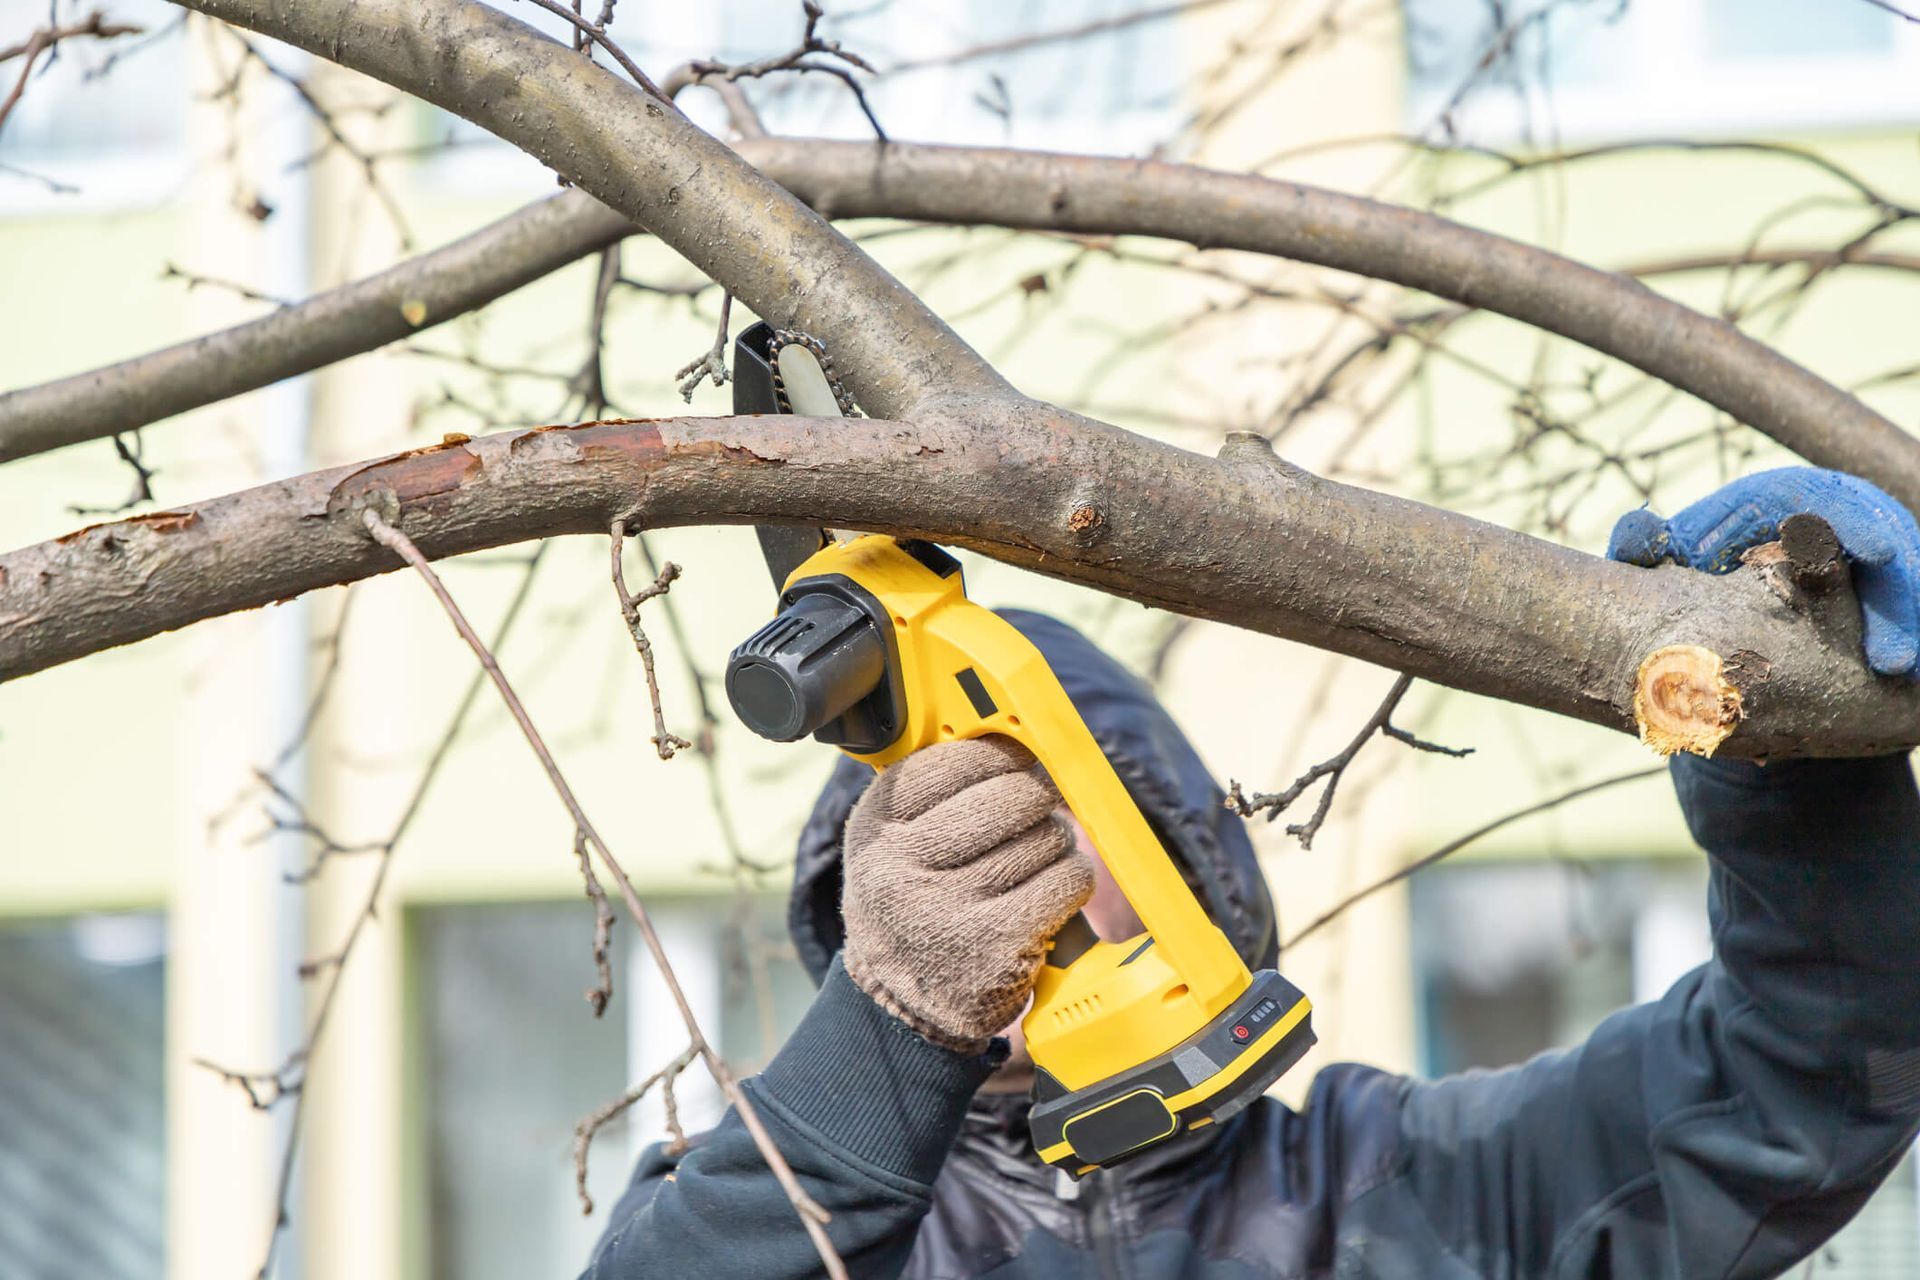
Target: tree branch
355 318
1242 539
645 160
1334 770
1613 314
1610 313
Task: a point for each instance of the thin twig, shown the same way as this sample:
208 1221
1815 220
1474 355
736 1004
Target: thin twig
599 995
710 72
195 281
597 33
1057 35
1334 769
663 742
282 1083
131 449
590 383
811 1215
46 40
713 363
583 1133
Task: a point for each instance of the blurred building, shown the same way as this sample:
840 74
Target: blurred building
147 922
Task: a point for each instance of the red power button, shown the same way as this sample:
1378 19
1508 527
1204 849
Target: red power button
1240 1032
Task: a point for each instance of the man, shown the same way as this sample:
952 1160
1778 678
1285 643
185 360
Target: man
1725 1130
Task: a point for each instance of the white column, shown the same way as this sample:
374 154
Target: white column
1670 938
690 932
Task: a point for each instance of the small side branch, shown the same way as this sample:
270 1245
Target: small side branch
599 995
717 74
812 1217
1333 769
663 742
712 364
583 1133
596 32
45 39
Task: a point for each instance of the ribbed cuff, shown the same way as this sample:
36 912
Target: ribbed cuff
872 1086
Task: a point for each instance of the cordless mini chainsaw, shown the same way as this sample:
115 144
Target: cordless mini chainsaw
877 650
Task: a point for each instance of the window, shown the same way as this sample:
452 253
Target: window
1599 69
102 123
82 1097
1516 958
512 1059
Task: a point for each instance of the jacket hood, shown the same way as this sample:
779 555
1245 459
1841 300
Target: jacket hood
1153 758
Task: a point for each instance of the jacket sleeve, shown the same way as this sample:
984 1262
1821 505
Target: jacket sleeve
1733 1126
863 1109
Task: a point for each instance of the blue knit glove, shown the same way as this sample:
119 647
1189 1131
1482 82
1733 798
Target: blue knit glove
1879 535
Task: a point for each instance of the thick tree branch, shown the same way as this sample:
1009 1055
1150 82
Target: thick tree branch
1239 539
1610 313
1613 314
647 161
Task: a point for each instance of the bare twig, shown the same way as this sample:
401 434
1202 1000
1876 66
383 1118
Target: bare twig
811 1215
130 449
1452 847
1334 769
583 1133
600 994
328 119
663 742
45 40
597 33
266 1089
712 363
193 280
292 818
710 72
1893 9
589 385
1056 35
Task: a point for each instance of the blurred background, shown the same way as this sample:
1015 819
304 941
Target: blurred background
214 841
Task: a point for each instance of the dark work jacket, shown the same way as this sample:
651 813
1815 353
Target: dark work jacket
1725 1130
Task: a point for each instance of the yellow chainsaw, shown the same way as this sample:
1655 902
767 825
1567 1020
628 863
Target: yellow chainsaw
877 650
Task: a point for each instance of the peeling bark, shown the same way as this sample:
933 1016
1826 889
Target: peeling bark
1240 539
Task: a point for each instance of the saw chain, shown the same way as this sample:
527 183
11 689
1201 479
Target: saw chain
793 337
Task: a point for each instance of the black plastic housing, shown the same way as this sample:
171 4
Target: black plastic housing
825 665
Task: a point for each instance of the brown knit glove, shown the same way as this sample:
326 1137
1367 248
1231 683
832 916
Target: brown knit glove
956 877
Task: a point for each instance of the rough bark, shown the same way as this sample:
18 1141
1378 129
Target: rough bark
1240 539
644 159
1608 312
355 318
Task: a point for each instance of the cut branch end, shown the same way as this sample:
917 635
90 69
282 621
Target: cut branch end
1683 700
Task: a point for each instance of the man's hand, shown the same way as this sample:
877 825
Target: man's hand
956 877
1879 535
